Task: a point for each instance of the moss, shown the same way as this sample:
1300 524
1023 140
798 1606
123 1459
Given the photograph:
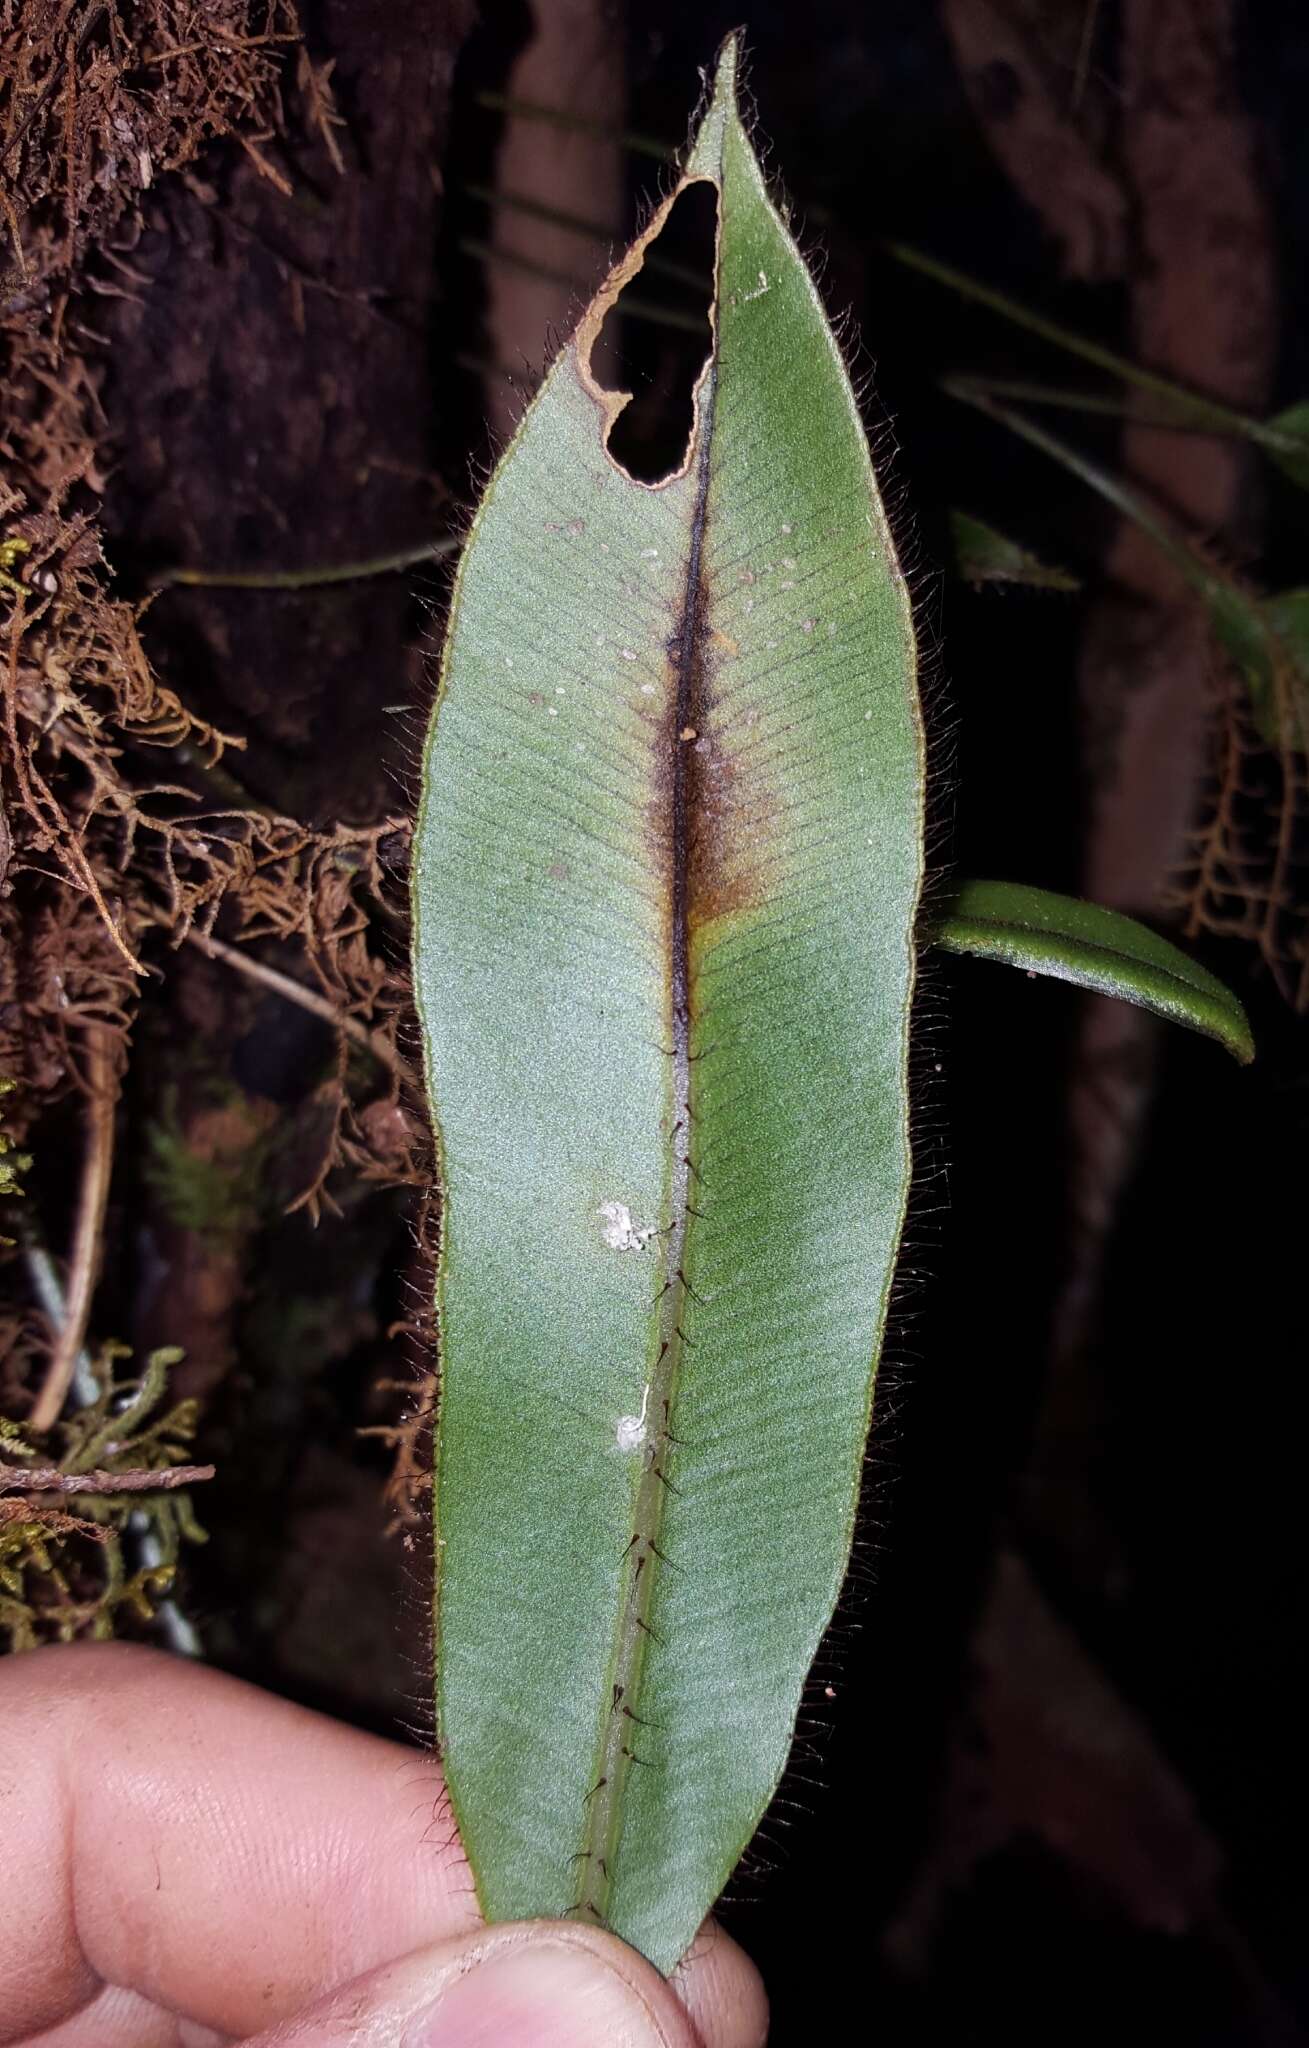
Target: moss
217 1193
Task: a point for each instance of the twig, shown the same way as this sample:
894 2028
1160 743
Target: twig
84 1266
49 1479
309 999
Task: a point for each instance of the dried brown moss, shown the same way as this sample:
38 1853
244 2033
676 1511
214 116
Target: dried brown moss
123 831
98 100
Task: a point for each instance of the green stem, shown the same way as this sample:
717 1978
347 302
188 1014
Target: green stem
306 579
1202 412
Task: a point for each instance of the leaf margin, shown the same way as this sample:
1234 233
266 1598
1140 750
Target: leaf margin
1094 948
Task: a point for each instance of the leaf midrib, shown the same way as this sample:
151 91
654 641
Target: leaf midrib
618 1752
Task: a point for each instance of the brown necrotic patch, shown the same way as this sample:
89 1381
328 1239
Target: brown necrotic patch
714 806
733 814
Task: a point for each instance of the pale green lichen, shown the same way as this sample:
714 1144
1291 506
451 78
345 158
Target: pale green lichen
65 1575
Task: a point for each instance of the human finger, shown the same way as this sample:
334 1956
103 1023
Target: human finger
224 1855
536 1984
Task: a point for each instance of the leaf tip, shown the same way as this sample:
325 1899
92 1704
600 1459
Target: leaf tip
726 65
720 109
1240 1042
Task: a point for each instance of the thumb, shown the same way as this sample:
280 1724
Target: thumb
532 1984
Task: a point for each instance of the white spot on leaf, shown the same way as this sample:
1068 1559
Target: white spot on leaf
619 1232
630 1433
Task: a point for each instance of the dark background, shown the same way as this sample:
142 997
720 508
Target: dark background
1058 1789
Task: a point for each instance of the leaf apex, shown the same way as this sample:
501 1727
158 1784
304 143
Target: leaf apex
704 157
726 66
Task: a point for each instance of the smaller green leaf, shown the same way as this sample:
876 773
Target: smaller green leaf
1096 948
985 555
1285 441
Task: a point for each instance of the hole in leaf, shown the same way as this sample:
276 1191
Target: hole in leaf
655 338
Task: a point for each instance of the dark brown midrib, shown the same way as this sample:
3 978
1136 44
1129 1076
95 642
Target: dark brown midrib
689 646
620 1745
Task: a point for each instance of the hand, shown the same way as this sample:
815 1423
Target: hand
189 1861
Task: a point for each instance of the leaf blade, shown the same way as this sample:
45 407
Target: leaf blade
1097 949
660 1196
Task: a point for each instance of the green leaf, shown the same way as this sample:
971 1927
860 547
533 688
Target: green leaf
1285 440
985 555
666 872
1098 949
